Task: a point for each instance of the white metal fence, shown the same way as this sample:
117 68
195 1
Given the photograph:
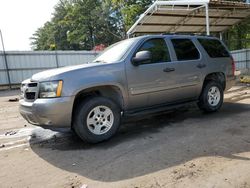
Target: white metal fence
242 59
23 64
18 66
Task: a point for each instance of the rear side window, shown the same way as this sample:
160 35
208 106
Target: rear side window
214 48
158 48
185 49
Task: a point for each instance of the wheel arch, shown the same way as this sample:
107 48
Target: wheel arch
112 92
217 77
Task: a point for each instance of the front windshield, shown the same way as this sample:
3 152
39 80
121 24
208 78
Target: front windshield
115 52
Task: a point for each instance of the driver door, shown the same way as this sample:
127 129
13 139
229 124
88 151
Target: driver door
148 82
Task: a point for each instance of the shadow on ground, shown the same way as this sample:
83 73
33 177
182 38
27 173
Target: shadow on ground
145 146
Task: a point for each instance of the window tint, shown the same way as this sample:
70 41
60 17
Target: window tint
214 48
158 48
185 49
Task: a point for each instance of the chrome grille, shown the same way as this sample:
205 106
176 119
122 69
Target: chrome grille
32 85
30 95
29 90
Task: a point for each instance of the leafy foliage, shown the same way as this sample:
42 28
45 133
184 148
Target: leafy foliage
131 9
79 24
238 37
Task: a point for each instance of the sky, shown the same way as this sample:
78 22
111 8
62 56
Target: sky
19 19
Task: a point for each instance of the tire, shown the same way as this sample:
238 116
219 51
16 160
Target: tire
96 119
211 98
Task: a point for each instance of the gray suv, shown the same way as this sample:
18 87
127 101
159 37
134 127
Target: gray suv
136 76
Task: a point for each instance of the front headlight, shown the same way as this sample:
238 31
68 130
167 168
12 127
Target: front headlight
50 89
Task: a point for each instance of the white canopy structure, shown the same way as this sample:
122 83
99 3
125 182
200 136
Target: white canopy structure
190 16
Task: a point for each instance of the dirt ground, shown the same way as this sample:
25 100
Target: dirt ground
185 148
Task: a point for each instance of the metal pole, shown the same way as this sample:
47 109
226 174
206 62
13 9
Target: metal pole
207 19
56 55
57 63
93 40
247 61
5 60
221 37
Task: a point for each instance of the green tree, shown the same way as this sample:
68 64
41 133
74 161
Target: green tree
43 38
91 22
131 10
238 37
53 35
79 24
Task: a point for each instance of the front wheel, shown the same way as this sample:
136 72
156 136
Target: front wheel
97 119
211 97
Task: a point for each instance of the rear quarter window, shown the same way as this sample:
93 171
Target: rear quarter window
214 48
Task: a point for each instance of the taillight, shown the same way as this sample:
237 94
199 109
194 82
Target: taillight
233 66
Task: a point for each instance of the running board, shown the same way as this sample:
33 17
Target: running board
156 109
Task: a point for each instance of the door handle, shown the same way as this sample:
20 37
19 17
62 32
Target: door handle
169 69
200 66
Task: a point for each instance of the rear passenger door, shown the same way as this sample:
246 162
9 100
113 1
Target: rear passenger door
189 64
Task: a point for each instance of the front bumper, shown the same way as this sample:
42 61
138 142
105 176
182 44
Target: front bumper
53 112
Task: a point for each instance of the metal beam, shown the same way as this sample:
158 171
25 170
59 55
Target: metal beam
171 24
207 20
131 30
165 3
183 2
224 16
221 37
184 20
162 32
196 16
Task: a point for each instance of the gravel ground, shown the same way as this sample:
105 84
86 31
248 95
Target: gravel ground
185 148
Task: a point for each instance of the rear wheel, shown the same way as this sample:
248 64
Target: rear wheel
96 119
211 97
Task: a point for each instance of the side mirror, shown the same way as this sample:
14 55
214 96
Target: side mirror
142 57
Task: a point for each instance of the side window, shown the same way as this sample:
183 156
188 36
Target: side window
214 48
185 49
158 48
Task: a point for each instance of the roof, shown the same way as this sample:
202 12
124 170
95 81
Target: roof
180 16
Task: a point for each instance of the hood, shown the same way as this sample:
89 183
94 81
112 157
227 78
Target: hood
48 74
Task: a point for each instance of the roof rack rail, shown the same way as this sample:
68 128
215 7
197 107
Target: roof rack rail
191 34
203 35
170 33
